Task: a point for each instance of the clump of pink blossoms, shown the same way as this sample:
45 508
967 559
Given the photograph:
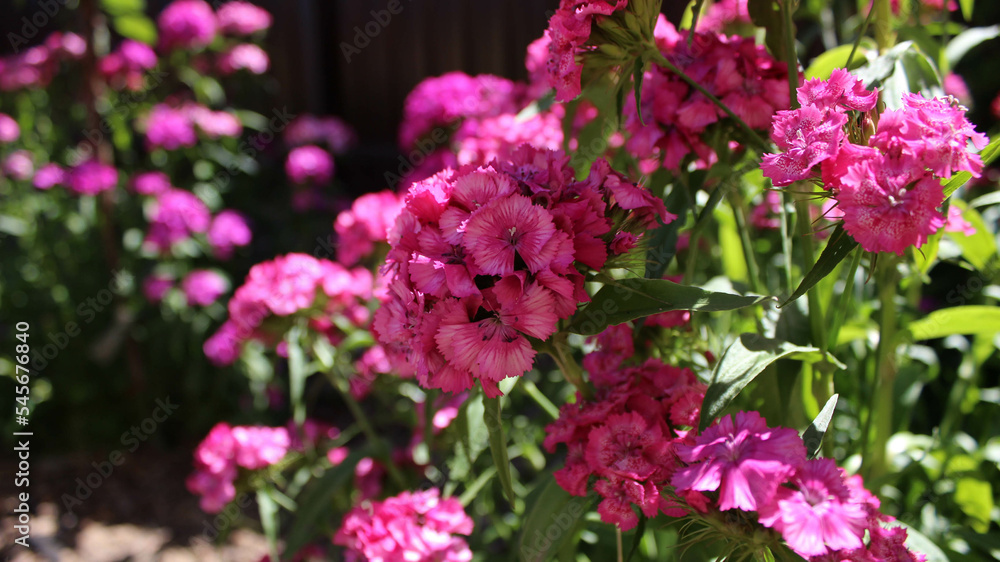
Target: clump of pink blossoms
176 216
186 24
410 527
625 440
91 177
226 449
678 118
203 287
888 185
286 286
365 224
124 67
486 259
242 18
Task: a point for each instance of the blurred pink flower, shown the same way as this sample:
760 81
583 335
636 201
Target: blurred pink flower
186 24
9 130
18 165
91 177
309 164
49 176
150 183
246 56
203 287
242 18
155 286
228 230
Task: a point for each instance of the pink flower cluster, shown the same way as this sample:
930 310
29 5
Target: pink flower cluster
245 56
443 102
176 215
242 18
187 24
309 164
289 285
626 438
226 449
569 31
10 131
174 127
124 68
734 69
456 120
410 527
91 177
484 259
35 67
203 287
888 186
723 14
338 136
365 224
740 463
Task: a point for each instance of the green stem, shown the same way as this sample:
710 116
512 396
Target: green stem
835 317
885 366
786 243
752 135
558 348
740 212
539 398
884 36
857 42
818 327
384 451
790 57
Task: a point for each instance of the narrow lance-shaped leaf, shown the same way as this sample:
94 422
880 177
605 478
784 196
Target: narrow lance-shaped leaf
966 320
746 358
838 248
550 521
813 435
316 505
627 299
269 519
498 444
296 375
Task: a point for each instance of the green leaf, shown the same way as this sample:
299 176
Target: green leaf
767 14
472 437
316 504
663 240
498 444
696 14
987 155
136 26
627 299
968 40
822 66
813 436
746 358
967 320
734 262
637 76
979 248
550 520
269 519
975 498
967 6
296 374
123 7
838 248
640 530
904 68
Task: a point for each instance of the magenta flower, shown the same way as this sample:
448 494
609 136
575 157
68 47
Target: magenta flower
242 18
309 165
125 66
569 30
311 129
365 224
214 124
9 130
18 165
886 208
223 347
48 176
818 516
155 287
176 215
169 128
955 222
186 24
228 230
411 527
742 458
150 183
807 136
842 91
203 287
91 177
483 259
245 56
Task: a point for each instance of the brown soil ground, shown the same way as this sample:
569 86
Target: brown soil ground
140 513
